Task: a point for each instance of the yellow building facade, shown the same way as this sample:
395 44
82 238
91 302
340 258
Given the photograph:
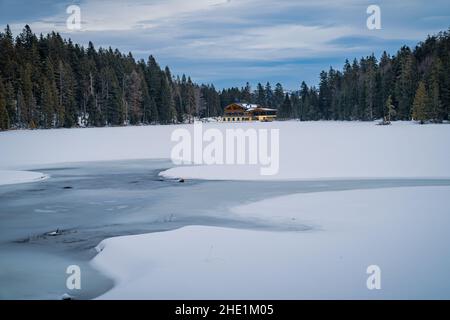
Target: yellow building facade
242 112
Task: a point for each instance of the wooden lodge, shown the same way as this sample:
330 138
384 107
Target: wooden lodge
239 112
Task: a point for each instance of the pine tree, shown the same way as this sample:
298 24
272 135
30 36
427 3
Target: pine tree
269 96
166 110
370 88
48 104
444 82
389 111
115 105
420 105
247 93
153 78
10 102
53 111
406 84
133 96
304 102
8 63
437 108
436 112
260 95
27 95
295 102
324 95
68 102
4 118
278 96
191 105
313 104
386 76
285 111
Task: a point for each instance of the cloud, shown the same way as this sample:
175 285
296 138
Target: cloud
267 43
216 36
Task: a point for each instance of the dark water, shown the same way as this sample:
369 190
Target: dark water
86 203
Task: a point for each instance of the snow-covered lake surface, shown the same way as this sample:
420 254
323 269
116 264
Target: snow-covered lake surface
89 202
348 195
406 236
15 177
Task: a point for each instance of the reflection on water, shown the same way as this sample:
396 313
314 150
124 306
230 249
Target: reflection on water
50 225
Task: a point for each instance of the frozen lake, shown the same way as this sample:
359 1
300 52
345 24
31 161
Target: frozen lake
88 202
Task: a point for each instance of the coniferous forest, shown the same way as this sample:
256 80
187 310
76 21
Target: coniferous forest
49 82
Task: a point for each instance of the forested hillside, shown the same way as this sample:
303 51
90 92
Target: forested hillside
410 84
50 82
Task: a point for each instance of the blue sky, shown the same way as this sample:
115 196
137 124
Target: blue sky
229 42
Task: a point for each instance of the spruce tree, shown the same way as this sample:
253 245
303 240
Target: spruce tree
48 105
285 111
295 102
437 108
27 95
269 96
166 109
324 95
247 93
278 96
4 118
406 84
10 101
304 102
420 110
260 94
8 61
133 96
389 110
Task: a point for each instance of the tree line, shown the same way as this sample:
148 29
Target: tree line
50 82
412 84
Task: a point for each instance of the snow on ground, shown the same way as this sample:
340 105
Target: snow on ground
327 150
31 148
308 150
15 177
402 230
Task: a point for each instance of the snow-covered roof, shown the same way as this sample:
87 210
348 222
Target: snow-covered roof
250 107
262 109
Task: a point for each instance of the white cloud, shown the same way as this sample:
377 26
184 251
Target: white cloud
270 42
101 15
212 31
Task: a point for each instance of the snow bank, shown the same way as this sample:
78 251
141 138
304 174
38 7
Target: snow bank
328 150
404 231
15 177
30 148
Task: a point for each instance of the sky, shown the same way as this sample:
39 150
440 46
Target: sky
230 42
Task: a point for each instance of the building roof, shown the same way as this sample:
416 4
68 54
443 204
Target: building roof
261 109
248 105
251 107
